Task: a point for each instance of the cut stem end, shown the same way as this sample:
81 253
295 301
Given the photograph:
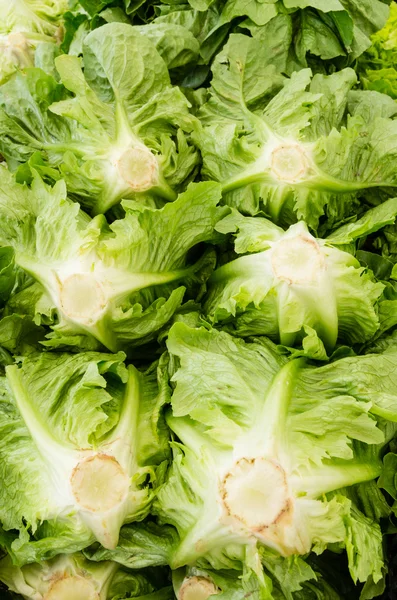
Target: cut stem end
197 588
255 492
99 483
72 587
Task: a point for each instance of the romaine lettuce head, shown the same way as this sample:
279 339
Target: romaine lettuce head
72 577
81 438
271 453
115 131
115 284
311 150
377 66
292 286
23 25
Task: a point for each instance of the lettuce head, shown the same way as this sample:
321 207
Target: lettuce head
25 24
81 438
294 287
309 152
72 577
117 129
271 454
111 285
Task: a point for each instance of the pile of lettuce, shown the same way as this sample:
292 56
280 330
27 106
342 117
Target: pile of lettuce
198 299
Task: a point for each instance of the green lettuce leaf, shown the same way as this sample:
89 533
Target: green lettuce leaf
307 30
329 31
202 21
377 66
7 273
140 545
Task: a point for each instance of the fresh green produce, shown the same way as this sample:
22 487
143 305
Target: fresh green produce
118 283
27 27
81 438
292 285
198 299
297 155
271 455
378 65
72 577
288 577
111 140
297 31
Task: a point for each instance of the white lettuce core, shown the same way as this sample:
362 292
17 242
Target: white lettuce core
82 298
99 483
255 492
297 259
289 163
15 47
17 41
138 167
197 588
72 588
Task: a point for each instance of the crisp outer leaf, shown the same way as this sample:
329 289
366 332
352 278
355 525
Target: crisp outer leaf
176 44
114 52
329 111
367 15
240 79
20 461
251 234
141 545
370 378
205 352
172 231
373 220
77 388
364 548
388 478
25 123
